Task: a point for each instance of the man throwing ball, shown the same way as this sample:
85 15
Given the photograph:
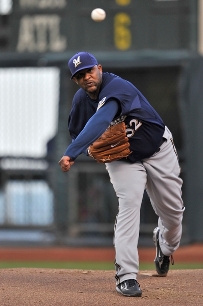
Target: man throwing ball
151 163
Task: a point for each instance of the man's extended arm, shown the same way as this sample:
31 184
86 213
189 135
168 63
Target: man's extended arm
94 128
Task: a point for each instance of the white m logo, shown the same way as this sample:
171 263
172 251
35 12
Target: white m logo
77 61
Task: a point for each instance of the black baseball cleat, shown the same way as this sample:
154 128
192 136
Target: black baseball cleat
162 262
129 287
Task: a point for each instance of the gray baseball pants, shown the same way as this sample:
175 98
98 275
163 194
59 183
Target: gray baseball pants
159 175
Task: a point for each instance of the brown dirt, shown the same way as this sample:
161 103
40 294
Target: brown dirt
89 288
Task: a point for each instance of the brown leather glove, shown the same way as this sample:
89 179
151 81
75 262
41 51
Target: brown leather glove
112 145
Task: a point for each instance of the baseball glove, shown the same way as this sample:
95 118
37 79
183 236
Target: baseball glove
112 145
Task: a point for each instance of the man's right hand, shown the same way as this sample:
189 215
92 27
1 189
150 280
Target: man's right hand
65 163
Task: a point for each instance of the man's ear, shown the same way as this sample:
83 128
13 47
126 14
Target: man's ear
75 80
99 66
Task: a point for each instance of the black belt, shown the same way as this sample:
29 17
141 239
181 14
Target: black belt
161 142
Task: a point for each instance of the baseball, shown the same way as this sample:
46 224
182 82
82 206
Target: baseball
98 14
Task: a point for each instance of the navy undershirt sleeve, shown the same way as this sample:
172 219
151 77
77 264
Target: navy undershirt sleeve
93 129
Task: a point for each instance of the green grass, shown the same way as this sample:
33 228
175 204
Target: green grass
87 265
176 266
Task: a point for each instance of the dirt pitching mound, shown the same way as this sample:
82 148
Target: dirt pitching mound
90 288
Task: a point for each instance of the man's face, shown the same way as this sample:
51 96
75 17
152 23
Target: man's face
90 80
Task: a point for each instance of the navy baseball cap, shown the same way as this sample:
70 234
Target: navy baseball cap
80 61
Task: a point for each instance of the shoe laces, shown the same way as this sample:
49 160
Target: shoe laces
131 282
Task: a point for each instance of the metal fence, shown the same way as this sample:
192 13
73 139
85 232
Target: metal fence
28 120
